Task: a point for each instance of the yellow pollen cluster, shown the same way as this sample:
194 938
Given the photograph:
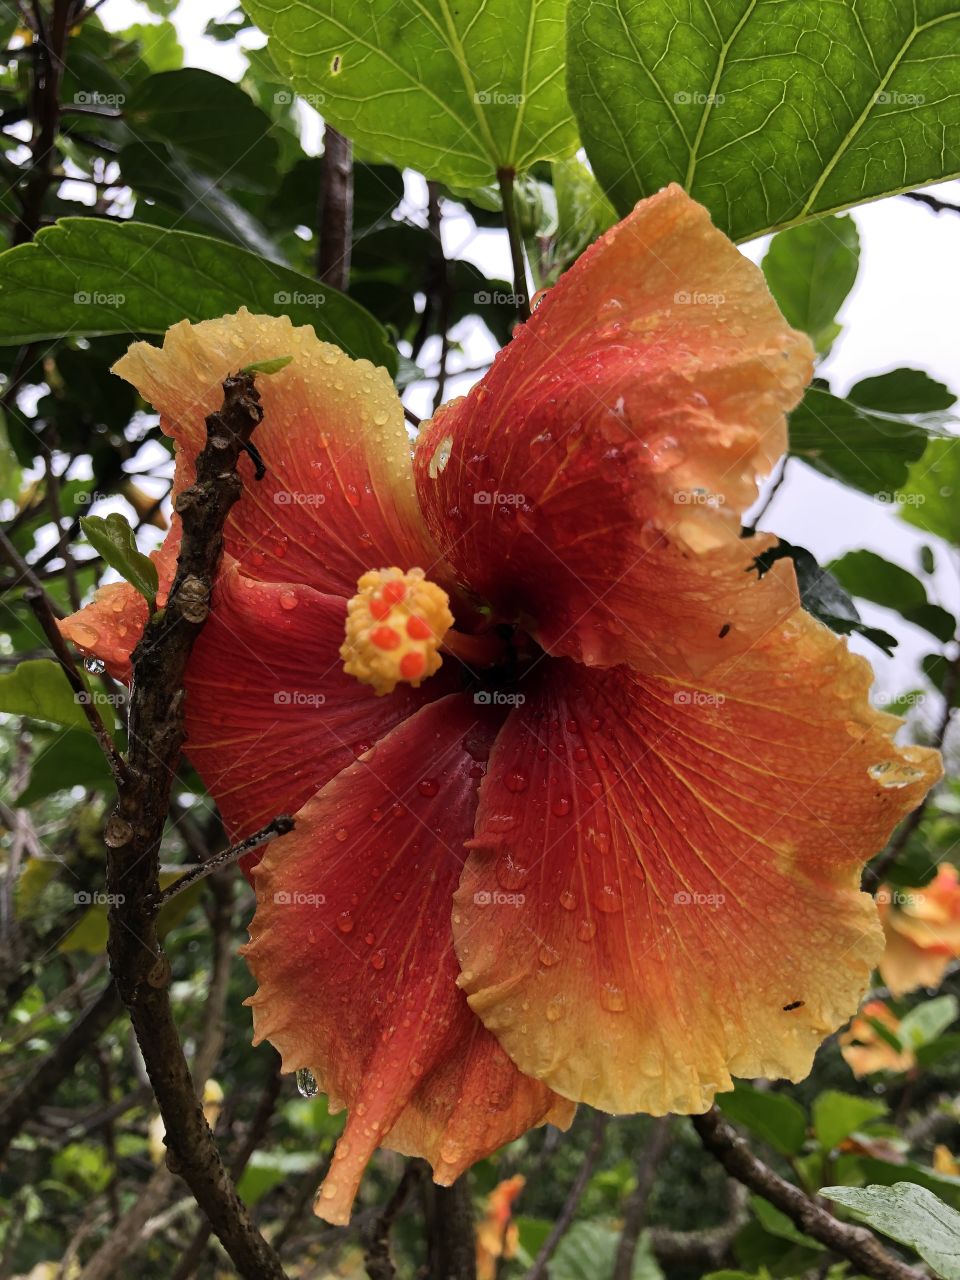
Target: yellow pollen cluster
395 625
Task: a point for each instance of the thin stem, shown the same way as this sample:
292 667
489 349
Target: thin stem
635 1210
278 827
505 177
572 1202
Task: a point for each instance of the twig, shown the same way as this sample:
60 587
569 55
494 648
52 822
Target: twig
48 65
572 1202
938 206
411 417
452 1239
505 177
874 876
856 1244
335 234
57 1065
193 1255
768 498
278 827
134 831
40 605
635 1210
376 1242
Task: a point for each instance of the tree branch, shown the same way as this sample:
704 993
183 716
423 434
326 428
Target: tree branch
335 234
635 1210
135 829
856 1244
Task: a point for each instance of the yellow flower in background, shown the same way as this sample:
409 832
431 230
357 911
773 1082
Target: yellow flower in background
497 1236
921 930
865 1050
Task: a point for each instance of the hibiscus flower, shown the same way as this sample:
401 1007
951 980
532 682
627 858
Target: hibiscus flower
921 932
866 1050
601 839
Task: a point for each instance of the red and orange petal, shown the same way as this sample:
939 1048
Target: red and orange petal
663 891
352 949
270 714
865 1051
338 492
594 480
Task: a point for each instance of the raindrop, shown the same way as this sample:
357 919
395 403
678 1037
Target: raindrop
612 998
568 900
306 1083
609 900
428 787
516 780
288 600
345 922
96 666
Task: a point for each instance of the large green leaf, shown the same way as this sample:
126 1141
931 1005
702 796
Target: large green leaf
769 113
810 270
87 276
836 1115
871 577
775 1117
210 120
911 1215
867 450
39 689
930 496
456 90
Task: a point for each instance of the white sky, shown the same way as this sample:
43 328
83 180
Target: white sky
902 312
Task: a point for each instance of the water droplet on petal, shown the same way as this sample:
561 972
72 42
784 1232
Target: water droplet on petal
306 1083
612 998
96 666
568 900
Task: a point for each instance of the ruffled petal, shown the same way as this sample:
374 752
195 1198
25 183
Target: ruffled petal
337 498
352 948
270 714
664 887
922 932
593 482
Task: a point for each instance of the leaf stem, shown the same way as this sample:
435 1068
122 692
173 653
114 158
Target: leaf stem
505 177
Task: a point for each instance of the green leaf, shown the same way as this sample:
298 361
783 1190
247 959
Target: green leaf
912 1216
589 1249
456 91
836 1115
857 447
774 1117
39 689
72 759
902 391
161 49
871 577
88 276
267 366
810 271
927 1021
211 121
822 595
767 113
112 537
929 496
